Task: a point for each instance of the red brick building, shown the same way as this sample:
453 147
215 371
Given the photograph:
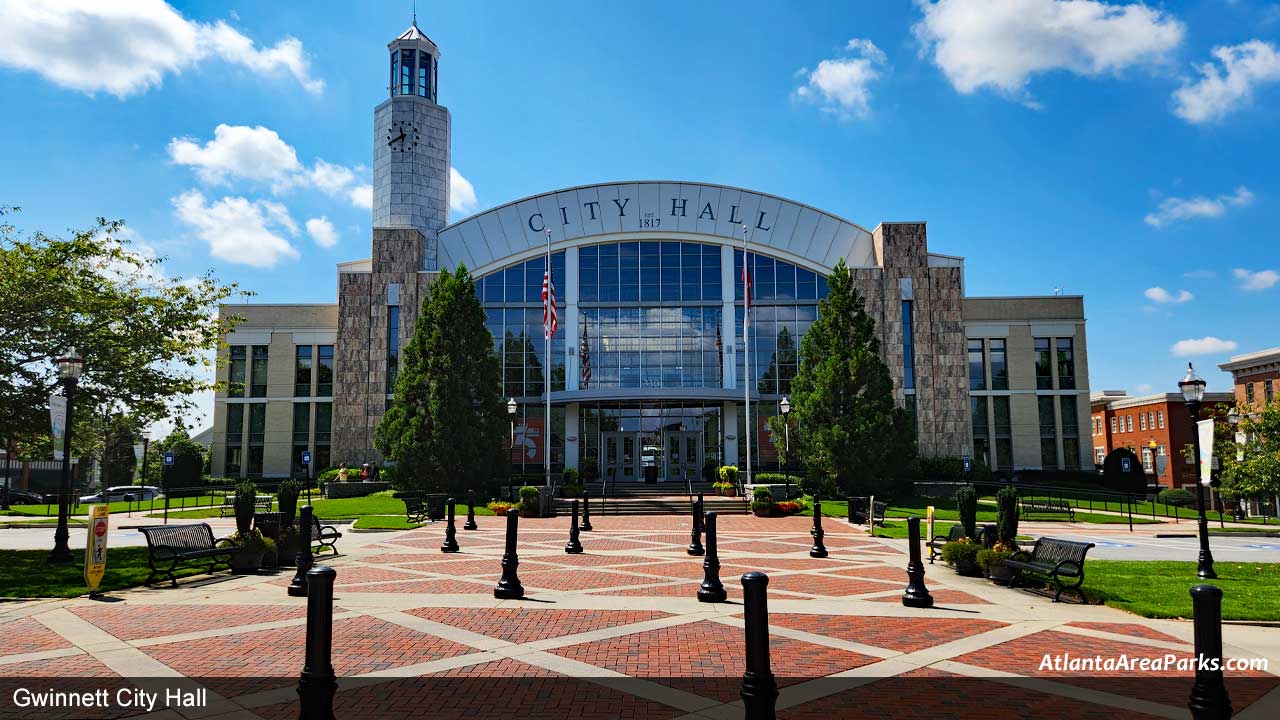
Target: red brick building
1256 375
1121 421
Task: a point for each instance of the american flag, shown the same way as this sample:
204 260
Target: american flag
585 353
746 285
550 321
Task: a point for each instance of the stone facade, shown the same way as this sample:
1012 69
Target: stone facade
411 177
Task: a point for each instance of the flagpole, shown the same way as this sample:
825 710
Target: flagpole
546 428
746 342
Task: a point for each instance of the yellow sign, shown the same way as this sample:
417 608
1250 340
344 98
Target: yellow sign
928 514
95 549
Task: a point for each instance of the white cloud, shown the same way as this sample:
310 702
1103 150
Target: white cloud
462 197
361 196
1202 346
238 151
1200 274
332 179
1260 280
841 84
125 48
1216 93
322 231
1174 208
1001 44
1144 388
1162 296
239 230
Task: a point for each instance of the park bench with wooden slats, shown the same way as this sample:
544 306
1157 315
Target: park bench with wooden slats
177 544
1046 507
1052 560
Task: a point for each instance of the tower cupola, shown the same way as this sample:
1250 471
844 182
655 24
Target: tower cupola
415 64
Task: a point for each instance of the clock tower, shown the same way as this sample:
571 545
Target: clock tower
411 146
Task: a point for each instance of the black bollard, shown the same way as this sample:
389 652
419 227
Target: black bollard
695 529
759 689
818 550
586 512
471 512
917 595
711 590
1209 699
702 515
302 559
574 546
318 682
450 544
509 587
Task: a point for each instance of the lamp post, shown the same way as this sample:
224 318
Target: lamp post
8 477
146 444
69 367
511 414
1192 387
784 406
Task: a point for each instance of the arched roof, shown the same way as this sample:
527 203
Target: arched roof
657 210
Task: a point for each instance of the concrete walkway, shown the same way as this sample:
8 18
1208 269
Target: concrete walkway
617 632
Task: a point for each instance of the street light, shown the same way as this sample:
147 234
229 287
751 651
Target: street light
784 406
511 413
1192 387
69 368
1153 446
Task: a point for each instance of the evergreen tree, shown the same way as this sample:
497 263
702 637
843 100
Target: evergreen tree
842 397
118 460
447 422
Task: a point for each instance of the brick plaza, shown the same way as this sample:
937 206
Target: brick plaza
618 632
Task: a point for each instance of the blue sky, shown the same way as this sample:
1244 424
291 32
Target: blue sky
1120 151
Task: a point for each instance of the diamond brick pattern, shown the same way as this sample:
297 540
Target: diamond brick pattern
899 634
523 626
26 635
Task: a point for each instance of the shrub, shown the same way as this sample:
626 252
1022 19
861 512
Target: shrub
571 490
787 507
821 486
590 469
287 496
569 476
762 507
1007 517
950 469
529 499
762 494
500 508
528 491
728 474
987 558
774 478
967 505
1176 497
253 541
960 551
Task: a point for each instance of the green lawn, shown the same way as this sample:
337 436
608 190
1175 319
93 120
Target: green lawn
944 509
340 508
1250 591
1160 509
118 508
28 574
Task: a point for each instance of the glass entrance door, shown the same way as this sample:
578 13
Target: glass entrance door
683 457
620 459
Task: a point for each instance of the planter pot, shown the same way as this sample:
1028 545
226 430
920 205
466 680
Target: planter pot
763 513
1000 574
246 562
968 568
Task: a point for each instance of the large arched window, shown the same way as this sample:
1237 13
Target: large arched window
512 300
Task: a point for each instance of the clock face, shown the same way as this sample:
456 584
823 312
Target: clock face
403 137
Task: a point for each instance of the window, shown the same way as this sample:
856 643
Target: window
324 371
1113 424
406 72
235 424
908 348
301 422
257 423
393 347
1066 364
1003 432
236 375
1248 393
324 425
1160 418
233 459
424 75
1070 431
1142 421
258 376
977 365
1128 423
1268 391
1044 365
1099 455
1148 462
255 460
302 371
1048 433
981 430
296 468
999 364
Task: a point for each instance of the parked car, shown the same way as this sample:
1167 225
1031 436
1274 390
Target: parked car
124 493
24 497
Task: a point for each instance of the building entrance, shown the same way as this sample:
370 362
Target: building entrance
651 457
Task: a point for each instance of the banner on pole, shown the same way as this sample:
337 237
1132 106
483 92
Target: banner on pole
1205 428
57 422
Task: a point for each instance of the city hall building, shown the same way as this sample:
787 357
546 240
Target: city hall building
649 368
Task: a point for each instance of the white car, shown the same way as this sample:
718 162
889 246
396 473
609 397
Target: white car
125 493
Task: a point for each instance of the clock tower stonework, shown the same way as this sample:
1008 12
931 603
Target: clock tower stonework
378 304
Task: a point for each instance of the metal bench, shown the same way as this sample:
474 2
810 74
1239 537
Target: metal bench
228 507
326 535
858 511
937 541
1046 507
435 504
176 544
414 511
1051 560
